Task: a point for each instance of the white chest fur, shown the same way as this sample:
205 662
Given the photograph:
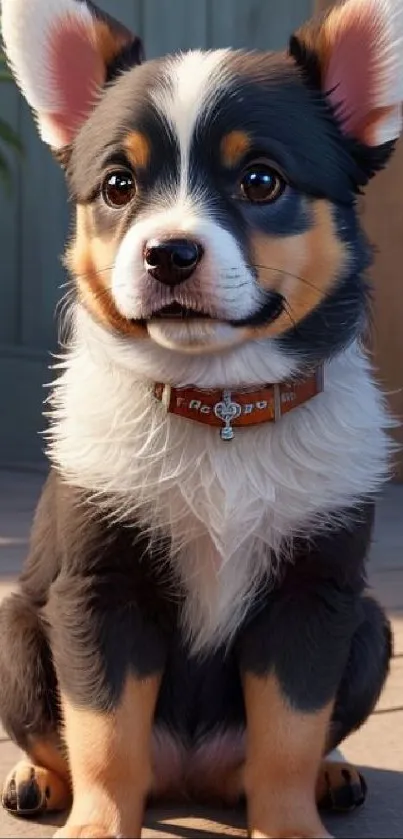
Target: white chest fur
228 507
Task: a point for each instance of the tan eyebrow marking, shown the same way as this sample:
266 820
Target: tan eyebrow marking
138 149
233 148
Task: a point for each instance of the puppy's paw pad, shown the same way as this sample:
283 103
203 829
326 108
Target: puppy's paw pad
341 788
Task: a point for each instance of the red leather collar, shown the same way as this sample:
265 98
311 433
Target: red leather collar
231 409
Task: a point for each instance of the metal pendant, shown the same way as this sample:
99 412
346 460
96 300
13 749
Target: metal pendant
227 411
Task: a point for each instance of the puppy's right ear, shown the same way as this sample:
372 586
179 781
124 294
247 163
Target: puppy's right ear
355 56
62 52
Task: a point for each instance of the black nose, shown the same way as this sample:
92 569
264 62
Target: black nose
172 261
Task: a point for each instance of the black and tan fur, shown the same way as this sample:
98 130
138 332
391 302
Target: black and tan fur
113 698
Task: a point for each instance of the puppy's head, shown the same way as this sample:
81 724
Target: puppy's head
216 192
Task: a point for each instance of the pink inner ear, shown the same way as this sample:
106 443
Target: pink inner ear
77 71
350 78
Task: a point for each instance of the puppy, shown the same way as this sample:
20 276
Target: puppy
192 619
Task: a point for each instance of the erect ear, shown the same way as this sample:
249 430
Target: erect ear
355 54
62 52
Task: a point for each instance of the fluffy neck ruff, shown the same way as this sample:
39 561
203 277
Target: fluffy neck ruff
230 511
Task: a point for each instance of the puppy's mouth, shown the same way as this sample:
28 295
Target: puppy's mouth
176 311
272 307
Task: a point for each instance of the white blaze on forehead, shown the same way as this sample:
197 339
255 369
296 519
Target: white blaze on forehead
224 285
193 81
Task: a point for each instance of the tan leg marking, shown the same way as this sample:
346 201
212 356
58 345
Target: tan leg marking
110 760
340 787
284 751
38 784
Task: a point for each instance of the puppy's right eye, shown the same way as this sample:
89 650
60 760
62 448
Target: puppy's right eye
261 184
118 188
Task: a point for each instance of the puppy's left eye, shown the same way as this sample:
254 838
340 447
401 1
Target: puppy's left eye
261 184
118 188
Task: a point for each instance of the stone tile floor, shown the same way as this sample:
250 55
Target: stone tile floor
377 748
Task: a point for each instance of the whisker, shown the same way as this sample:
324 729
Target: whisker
323 315
289 274
288 310
94 272
64 315
68 284
64 299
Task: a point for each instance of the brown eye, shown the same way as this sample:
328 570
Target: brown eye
261 184
118 188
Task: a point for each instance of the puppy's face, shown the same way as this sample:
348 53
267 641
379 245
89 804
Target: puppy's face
207 215
216 191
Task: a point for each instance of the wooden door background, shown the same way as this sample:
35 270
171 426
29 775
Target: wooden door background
34 216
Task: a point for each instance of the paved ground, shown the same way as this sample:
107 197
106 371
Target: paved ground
378 748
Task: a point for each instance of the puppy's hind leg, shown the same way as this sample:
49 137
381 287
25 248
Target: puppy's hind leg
29 713
340 786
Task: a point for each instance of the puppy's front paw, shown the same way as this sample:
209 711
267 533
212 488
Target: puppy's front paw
291 818
86 831
257 834
32 790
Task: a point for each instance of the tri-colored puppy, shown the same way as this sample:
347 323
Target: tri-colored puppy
192 619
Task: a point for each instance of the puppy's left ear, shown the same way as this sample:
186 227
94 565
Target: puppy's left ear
62 52
355 56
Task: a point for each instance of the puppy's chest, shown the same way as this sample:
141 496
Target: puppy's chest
228 508
220 515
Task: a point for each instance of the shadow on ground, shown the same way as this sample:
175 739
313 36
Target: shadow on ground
380 818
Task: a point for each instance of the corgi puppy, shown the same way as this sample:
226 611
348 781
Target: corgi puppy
192 620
